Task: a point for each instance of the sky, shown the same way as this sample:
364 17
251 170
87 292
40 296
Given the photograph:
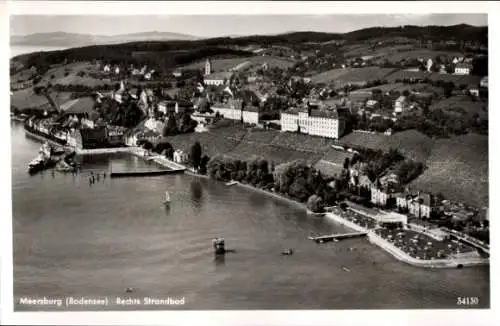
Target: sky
227 25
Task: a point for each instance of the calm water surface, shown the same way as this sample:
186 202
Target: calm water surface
71 239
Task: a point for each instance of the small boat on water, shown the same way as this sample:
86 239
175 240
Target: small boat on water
231 183
219 246
166 198
346 269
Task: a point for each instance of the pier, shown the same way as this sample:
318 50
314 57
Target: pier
331 237
144 173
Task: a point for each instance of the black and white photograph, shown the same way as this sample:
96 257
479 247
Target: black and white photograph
241 162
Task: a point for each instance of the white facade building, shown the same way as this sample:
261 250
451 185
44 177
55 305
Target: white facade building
313 122
463 69
250 115
180 156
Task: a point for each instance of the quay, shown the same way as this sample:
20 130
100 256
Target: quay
331 237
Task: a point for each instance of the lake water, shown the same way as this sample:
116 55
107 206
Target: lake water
72 239
23 49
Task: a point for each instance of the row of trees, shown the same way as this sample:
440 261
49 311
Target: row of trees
296 180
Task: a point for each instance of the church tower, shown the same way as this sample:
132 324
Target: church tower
208 67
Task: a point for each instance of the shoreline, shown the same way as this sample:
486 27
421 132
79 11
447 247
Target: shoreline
371 235
403 256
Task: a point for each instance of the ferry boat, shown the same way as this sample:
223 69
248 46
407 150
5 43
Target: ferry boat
47 157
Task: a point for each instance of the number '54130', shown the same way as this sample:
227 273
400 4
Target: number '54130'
467 301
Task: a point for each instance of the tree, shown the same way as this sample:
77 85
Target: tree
195 156
346 163
315 203
203 164
170 128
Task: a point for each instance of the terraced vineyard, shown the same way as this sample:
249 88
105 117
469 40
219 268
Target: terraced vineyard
261 136
410 143
328 168
458 168
211 144
275 154
302 142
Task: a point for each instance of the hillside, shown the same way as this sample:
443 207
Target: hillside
73 39
458 168
160 52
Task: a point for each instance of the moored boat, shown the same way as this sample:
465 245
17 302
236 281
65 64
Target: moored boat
231 183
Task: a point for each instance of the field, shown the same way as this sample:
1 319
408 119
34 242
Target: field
328 76
400 87
342 77
462 103
411 143
26 98
360 50
396 56
257 61
302 142
403 74
458 168
435 76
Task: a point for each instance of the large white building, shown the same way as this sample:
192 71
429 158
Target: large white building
315 122
250 114
218 78
463 69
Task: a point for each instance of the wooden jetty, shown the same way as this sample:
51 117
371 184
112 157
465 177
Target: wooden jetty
331 237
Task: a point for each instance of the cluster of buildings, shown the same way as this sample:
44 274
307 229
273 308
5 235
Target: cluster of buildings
77 125
143 72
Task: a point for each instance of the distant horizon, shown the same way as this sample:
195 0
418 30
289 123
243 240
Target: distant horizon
214 26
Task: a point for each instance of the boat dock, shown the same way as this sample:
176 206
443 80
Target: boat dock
331 237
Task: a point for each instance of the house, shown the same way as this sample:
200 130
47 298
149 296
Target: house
315 122
473 90
429 65
218 78
381 196
463 68
107 68
401 105
371 104
250 114
180 156
173 106
117 70
177 73
147 76
418 204
455 60
136 72
231 110
484 82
